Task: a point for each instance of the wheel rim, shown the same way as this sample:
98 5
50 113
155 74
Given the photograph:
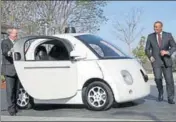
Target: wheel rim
97 96
23 98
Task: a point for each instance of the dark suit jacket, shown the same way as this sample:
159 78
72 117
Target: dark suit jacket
152 49
8 68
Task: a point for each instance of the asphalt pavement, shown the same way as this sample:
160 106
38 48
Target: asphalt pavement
139 110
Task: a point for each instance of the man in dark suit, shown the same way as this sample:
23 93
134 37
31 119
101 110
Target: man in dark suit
8 70
159 48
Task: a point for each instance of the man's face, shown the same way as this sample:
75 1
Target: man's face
157 27
13 34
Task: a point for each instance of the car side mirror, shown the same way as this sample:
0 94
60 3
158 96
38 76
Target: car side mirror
76 55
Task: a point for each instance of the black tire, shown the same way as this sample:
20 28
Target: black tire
29 104
109 98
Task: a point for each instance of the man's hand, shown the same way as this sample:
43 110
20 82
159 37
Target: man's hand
164 52
152 59
10 52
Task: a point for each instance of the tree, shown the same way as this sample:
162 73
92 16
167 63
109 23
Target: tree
128 29
31 16
139 51
174 59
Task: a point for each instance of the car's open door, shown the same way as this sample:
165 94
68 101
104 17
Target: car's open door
45 80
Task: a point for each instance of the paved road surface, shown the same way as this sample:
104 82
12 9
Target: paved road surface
143 109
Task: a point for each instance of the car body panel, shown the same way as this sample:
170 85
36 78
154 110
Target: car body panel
122 91
43 79
86 70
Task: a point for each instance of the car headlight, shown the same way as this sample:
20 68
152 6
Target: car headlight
127 77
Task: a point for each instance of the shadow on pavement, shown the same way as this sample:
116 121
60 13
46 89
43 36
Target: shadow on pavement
132 113
151 97
129 104
44 107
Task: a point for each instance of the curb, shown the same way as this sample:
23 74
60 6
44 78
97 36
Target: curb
31 118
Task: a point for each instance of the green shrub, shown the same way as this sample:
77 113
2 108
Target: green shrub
2 78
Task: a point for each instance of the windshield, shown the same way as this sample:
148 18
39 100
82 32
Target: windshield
102 48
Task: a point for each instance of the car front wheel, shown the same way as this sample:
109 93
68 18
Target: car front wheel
98 96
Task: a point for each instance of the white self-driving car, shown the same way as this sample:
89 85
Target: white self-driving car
76 68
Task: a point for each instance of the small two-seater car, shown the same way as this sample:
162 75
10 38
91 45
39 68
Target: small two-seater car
76 68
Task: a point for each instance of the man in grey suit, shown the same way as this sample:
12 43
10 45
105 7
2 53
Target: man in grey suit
8 70
159 48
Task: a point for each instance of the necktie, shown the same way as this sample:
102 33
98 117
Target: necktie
159 39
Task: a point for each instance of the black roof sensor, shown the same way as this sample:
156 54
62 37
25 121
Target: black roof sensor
70 30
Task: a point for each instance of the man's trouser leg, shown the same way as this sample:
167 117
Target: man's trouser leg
11 93
168 75
158 79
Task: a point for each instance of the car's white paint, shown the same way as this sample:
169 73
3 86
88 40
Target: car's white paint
64 85
112 74
48 79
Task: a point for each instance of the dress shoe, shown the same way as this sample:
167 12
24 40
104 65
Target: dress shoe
16 109
160 97
171 102
12 113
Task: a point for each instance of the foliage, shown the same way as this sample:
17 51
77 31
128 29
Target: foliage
86 16
174 61
139 51
2 78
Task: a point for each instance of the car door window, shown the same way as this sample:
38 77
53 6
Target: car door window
50 50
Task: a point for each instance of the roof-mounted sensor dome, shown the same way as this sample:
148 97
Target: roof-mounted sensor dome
70 30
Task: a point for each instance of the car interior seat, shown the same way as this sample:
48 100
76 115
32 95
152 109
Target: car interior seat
58 53
41 53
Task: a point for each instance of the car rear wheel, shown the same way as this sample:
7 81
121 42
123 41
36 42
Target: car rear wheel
98 96
24 101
